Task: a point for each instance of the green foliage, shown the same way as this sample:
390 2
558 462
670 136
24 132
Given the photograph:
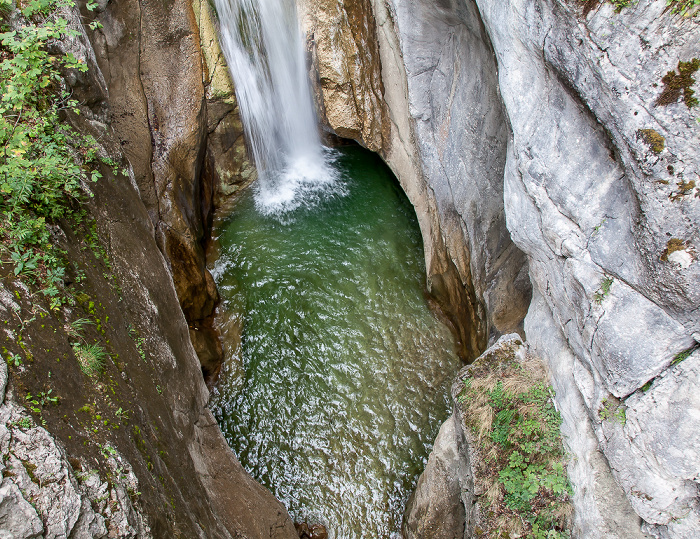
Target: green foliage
683 6
124 415
603 290
38 401
22 423
14 359
619 4
76 328
44 161
682 356
527 426
611 409
91 358
518 430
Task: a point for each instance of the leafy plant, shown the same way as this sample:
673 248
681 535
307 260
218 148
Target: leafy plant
38 401
603 290
45 162
683 6
91 358
22 423
511 414
14 359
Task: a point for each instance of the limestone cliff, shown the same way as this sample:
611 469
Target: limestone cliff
559 136
432 64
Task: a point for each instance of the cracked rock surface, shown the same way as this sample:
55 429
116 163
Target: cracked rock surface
539 122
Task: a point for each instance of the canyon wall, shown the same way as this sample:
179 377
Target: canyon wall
556 138
128 447
437 66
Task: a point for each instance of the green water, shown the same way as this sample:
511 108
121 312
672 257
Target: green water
345 371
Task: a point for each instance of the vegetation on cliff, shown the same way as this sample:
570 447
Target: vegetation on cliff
45 163
507 405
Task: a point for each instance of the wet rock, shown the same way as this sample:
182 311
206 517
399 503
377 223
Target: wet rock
318 531
314 531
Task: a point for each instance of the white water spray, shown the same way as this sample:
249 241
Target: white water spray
264 50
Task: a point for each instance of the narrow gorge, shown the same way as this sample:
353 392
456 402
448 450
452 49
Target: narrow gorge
545 155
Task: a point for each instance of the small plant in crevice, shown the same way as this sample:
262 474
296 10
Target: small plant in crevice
91 358
603 290
685 354
612 410
677 85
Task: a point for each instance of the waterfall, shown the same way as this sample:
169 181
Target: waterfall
262 43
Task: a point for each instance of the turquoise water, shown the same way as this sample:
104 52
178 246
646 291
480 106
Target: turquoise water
336 390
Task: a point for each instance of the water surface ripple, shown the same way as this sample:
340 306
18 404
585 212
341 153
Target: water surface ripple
345 369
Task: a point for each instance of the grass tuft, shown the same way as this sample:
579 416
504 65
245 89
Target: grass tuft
91 358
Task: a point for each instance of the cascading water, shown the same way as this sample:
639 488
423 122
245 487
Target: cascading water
263 47
333 393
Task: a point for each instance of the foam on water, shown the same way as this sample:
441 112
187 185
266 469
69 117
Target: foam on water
265 53
304 181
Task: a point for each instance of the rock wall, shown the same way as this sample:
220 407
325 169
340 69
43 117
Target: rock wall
594 207
129 449
432 64
171 104
555 137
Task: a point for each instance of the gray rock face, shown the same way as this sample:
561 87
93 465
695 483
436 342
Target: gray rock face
439 506
41 495
586 199
435 63
566 128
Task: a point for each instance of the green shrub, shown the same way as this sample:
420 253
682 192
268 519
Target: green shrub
44 161
511 414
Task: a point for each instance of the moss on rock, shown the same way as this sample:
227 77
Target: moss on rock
653 139
677 84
